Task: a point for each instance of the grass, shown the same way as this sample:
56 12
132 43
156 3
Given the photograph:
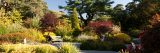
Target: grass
24 48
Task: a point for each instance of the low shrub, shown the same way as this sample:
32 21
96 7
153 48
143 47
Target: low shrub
68 48
116 29
95 45
134 32
15 37
32 35
84 37
37 35
122 37
12 28
117 46
16 27
104 46
22 48
68 39
3 30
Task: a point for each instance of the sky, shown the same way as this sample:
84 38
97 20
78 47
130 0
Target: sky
53 4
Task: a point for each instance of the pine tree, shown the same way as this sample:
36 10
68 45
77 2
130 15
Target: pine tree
75 20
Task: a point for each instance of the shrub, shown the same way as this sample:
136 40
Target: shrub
10 21
135 32
122 37
11 28
63 28
12 48
15 16
98 45
35 23
3 30
15 37
4 20
84 37
49 20
101 27
68 38
150 40
95 45
9 17
68 48
15 27
117 46
32 22
116 29
37 35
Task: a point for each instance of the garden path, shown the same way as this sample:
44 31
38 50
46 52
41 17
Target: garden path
93 51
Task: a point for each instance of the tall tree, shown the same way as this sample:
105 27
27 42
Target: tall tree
74 19
88 7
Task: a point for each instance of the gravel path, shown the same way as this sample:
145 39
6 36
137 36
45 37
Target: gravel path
83 51
92 51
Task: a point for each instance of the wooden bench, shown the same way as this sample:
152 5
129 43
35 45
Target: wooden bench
56 39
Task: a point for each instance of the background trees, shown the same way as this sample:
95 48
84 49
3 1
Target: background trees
28 8
88 7
141 11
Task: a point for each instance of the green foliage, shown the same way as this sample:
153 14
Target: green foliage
28 9
104 18
138 13
117 46
37 35
4 19
122 37
68 48
32 23
15 16
63 28
98 45
35 23
74 19
75 22
95 45
12 28
15 27
22 48
3 30
68 39
90 7
10 21
134 32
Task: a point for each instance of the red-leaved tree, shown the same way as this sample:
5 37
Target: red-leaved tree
48 22
101 27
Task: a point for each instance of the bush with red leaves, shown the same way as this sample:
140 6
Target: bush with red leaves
151 40
48 22
101 27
